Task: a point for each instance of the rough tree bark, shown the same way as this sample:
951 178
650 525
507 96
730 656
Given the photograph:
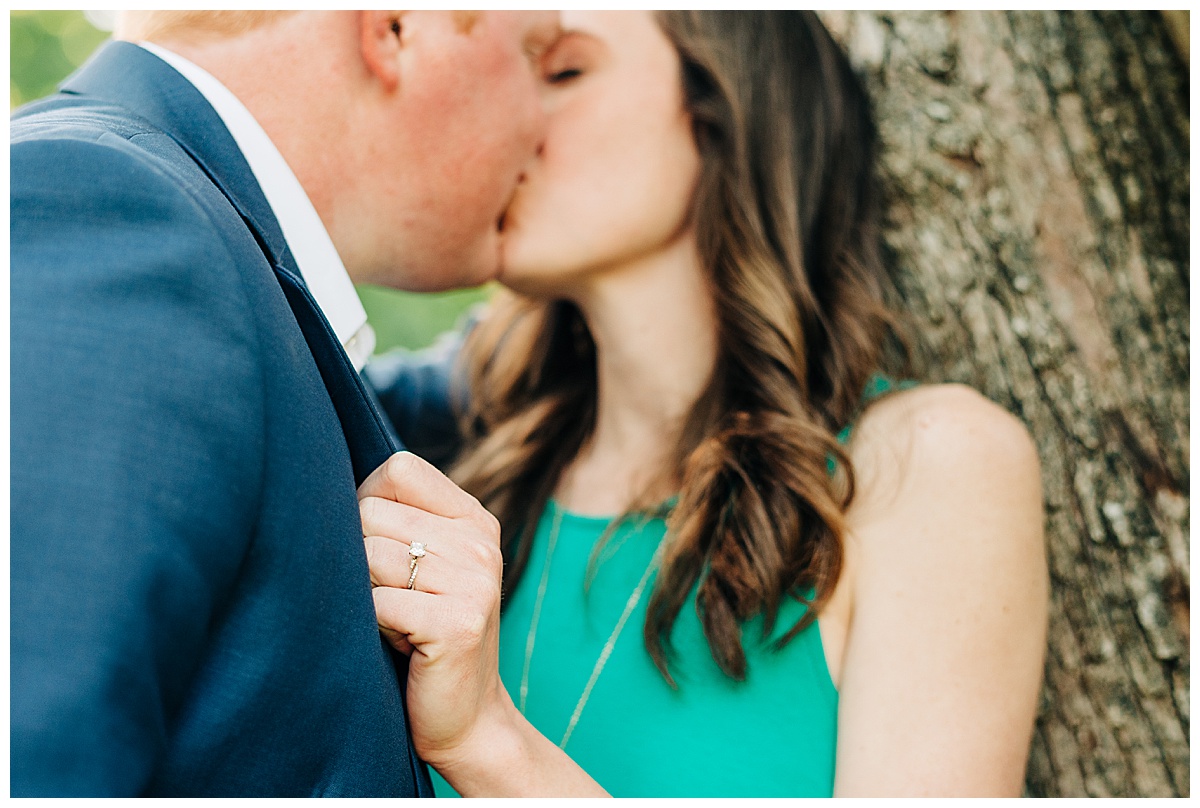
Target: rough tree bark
1037 168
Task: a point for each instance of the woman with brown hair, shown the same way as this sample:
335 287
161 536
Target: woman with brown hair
733 566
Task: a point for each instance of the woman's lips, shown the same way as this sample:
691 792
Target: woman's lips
507 219
506 215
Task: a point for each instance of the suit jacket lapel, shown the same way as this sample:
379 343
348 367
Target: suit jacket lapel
134 78
368 435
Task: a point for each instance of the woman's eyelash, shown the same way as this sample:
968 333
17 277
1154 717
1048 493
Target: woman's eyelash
564 75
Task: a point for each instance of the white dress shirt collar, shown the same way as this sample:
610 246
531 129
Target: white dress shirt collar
318 260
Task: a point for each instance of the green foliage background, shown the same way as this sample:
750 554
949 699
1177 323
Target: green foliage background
47 45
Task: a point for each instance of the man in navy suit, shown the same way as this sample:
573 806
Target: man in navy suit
191 611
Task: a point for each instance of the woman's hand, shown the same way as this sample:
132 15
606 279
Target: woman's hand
448 621
463 721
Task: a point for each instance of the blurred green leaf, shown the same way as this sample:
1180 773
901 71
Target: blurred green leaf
42 62
410 320
79 38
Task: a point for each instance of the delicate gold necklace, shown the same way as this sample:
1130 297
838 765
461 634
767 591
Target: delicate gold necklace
605 652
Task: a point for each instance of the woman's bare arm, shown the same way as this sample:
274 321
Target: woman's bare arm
944 655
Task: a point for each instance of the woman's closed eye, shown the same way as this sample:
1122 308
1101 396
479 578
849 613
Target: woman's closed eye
561 76
573 55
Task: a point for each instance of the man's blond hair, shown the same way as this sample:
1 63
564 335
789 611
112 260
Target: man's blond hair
141 25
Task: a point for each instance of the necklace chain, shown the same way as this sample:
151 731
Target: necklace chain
609 645
537 608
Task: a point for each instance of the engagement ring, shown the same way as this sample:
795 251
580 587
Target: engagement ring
417 550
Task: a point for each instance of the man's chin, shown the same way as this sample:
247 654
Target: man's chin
464 271
439 280
477 279
530 284
449 283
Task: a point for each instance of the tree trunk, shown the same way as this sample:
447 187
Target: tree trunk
1037 173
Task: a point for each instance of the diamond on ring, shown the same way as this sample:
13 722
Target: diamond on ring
417 550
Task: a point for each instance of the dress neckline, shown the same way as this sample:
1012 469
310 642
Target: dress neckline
594 520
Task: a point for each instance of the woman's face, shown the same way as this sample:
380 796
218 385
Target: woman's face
614 181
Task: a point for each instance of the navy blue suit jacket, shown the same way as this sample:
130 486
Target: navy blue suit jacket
191 610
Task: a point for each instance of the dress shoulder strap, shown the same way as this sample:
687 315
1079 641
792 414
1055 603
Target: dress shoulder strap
878 386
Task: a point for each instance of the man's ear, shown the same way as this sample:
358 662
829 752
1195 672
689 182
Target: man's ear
382 35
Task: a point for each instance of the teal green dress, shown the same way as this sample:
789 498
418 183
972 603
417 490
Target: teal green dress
773 735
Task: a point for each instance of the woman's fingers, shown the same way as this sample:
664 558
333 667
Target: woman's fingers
388 561
385 517
409 500
406 478
404 616
397 640
427 621
462 544
391 565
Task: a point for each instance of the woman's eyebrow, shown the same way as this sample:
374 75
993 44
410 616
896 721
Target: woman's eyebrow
569 34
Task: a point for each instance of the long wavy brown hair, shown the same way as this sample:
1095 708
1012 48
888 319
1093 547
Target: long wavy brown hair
787 222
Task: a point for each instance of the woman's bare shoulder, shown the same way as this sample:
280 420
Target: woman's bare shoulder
923 445
953 421
943 473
